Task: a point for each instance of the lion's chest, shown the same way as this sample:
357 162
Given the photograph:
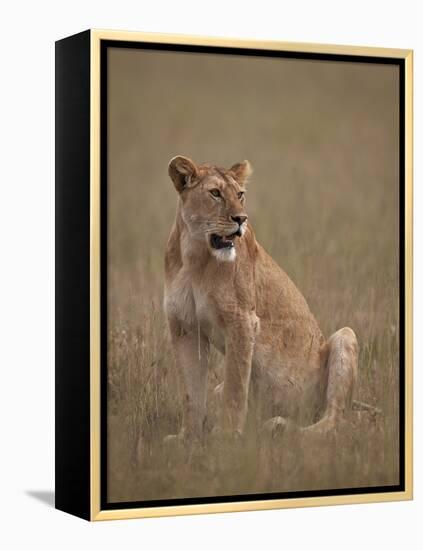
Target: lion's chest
204 308
179 302
192 307
205 311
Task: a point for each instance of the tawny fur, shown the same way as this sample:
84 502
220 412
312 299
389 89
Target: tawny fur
244 304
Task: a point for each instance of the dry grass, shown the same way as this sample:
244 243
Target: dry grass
323 202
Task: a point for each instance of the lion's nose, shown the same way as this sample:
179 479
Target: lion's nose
239 219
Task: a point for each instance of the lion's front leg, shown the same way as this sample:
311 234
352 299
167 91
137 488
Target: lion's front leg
191 356
239 347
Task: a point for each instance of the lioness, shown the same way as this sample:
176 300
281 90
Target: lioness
222 288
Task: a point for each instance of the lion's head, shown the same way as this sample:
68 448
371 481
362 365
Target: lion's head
212 202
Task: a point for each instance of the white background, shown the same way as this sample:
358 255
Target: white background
27 37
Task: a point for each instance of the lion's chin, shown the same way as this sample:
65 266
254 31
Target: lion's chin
222 247
224 254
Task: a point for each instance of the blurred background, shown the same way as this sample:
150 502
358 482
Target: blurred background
322 138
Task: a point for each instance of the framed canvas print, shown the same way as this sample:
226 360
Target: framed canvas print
233 275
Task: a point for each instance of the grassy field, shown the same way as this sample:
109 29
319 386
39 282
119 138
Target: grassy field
323 201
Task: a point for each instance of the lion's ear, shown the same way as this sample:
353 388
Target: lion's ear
182 172
242 171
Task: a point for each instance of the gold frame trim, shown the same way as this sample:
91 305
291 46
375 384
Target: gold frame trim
125 513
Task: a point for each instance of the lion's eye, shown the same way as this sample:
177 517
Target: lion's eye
215 193
241 195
